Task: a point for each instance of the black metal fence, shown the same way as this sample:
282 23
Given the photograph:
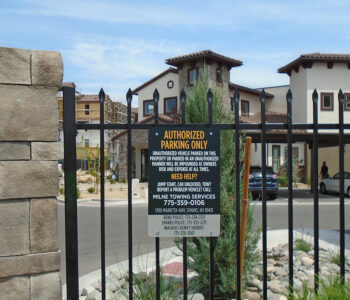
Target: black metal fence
71 227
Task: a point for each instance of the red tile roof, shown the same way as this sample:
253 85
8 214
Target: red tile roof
175 61
248 90
164 118
90 98
271 117
315 57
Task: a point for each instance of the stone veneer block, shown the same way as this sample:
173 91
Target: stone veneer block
28 113
47 68
45 151
14 151
46 286
28 179
14 228
43 225
15 288
29 264
14 66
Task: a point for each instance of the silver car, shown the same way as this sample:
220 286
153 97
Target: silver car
331 184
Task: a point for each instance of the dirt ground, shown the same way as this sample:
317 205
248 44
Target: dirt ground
116 191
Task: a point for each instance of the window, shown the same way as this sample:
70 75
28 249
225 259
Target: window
87 109
170 105
87 143
232 103
327 101
347 102
276 158
245 107
192 76
148 107
219 75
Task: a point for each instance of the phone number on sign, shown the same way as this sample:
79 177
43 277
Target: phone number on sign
184 202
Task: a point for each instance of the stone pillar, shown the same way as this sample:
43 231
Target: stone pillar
29 254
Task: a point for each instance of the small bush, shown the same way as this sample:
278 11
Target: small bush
91 189
111 180
332 288
144 287
335 259
282 180
302 245
123 180
62 191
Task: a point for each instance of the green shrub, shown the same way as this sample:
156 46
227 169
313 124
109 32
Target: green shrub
225 245
62 191
282 180
332 288
123 180
91 189
144 287
302 245
335 259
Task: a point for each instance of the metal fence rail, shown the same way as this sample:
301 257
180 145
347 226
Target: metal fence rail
71 227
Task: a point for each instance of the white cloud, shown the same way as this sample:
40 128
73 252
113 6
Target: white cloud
161 13
117 63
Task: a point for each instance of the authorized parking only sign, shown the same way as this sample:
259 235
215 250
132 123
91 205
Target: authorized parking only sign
184 182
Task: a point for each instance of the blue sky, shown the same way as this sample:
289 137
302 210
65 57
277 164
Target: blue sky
120 44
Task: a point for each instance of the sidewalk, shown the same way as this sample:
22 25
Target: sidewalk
171 258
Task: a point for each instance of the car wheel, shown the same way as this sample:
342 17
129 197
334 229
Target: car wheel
273 196
348 192
323 189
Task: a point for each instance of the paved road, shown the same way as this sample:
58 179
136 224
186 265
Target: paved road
117 224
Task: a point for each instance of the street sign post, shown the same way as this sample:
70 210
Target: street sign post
184 182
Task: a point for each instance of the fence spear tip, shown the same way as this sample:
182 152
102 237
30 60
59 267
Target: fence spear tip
210 96
101 95
315 96
129 95
156 95
289 96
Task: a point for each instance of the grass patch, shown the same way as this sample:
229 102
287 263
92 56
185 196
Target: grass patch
335 259
302 245
332 288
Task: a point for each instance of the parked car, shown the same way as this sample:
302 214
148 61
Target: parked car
255 182
331 184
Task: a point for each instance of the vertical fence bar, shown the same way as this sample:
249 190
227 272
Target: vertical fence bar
315 187
211 239
289 99
156 121
70 194
129 99
238 197
184 240
102 181
341 185
263 192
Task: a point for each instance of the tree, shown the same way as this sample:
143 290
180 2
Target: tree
225 247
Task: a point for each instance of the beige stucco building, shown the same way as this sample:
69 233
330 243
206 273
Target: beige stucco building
88 112
326 73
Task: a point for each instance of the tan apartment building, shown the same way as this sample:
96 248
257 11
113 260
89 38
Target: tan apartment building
326 72
88 112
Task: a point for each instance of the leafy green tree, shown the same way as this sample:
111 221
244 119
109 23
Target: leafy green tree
225 247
